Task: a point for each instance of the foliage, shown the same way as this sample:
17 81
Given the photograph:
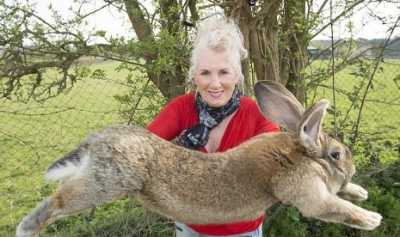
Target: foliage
32 44
143 100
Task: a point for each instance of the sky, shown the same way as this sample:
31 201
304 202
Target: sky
364 25
116 23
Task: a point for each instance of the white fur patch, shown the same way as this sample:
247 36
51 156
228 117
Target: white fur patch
70 169
21 232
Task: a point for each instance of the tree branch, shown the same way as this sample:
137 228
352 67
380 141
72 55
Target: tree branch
378 61
139 23
344 12
81 17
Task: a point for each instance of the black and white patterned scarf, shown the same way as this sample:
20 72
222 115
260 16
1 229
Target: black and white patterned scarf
197 136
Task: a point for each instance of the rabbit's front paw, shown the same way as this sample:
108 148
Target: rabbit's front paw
354 192
370 220
360 193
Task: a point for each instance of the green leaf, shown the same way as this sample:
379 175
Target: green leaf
100 33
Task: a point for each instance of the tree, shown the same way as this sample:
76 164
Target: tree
276 33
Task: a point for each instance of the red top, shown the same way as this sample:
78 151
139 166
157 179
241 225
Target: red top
248 121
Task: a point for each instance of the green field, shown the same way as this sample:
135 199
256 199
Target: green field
34 134
380 112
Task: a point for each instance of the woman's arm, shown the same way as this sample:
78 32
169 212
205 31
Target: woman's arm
169 123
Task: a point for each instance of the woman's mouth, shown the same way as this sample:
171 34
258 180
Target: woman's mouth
215 94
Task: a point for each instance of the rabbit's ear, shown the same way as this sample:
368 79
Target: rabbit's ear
310 125
278 104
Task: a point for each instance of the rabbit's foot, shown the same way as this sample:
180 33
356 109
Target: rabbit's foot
25 231
353 192
359 193
369 220
356 217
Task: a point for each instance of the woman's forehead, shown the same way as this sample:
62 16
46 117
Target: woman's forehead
211 59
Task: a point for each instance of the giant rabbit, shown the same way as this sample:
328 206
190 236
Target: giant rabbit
301 166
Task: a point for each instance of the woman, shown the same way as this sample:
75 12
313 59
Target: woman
215 117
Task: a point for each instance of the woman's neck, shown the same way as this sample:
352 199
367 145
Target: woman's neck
217 133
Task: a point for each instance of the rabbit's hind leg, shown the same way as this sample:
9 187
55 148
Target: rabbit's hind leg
66 201
72 196
34 222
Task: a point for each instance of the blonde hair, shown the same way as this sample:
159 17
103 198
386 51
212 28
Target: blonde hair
219 34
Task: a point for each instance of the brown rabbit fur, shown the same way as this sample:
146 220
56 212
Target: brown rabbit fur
302 167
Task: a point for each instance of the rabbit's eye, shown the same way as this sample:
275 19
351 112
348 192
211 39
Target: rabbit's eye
335 155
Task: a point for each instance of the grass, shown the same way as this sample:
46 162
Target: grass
381 109
33 134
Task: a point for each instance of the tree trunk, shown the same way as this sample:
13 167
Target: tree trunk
274 54
260 38
294 56
169 84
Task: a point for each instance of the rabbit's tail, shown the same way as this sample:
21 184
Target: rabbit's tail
70 165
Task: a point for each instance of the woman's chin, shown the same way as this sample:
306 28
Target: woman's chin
216 103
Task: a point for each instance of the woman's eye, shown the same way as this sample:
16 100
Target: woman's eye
223 72
204 73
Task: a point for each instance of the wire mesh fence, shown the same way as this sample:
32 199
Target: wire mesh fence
33 134
365 98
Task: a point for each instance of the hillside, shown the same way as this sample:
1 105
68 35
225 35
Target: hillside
370 47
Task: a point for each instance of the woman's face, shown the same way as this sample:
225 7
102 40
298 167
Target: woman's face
215 77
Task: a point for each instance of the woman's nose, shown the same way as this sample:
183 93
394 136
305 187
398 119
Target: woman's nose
215 80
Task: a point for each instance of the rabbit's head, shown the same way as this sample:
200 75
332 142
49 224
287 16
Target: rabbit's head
280 106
